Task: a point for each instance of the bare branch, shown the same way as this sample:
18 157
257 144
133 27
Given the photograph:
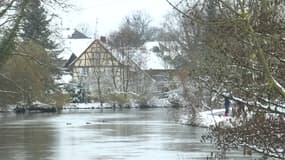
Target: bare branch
15 83
5 10
28 56
178 10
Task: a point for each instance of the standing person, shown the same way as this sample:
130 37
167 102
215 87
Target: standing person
227 106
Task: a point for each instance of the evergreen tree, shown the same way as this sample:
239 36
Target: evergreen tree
36 28
36 25
8 31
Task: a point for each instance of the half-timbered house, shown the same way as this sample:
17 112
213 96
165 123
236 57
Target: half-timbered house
101 72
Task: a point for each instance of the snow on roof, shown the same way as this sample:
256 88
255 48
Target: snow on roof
146 57
151 59
76 46
151 44
72 45
66 33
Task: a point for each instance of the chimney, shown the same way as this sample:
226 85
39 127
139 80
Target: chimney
103 39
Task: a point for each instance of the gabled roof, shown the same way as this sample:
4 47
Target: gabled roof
147 57
115 56
73 42
70 60
90 44
78 35
74 46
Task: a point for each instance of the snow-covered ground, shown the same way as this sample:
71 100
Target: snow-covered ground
96 105
207 118
154 101
159 102
86 106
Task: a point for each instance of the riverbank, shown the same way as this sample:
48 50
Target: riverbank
158 103
206 118
42 107
203 119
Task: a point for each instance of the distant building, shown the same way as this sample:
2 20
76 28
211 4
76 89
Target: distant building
78 35
97 63
152 55
73 44
100 69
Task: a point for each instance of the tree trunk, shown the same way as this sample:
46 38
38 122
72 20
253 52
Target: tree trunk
99 91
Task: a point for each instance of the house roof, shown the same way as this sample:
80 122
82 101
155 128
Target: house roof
90 44
70 60
78 35
73 43
150 57
74 46
113 54
147 57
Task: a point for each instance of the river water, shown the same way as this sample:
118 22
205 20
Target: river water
129 134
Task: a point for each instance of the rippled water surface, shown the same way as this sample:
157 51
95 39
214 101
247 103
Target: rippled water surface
94 135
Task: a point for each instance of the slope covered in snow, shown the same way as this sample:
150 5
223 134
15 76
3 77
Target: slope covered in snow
149 57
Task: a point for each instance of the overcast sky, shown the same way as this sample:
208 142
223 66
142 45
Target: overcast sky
109 13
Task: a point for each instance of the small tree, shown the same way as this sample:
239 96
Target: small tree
28 76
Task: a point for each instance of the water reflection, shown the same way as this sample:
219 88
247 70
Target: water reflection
24 138
94 135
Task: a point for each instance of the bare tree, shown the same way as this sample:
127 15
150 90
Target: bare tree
241 52
85 29
133 32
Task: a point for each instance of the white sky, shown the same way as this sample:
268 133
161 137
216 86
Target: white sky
109 13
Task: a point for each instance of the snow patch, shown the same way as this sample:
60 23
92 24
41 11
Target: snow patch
207 118
75 46
156 102
97 105
152 60
64 79
87 106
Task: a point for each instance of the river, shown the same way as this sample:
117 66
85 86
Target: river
129 134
